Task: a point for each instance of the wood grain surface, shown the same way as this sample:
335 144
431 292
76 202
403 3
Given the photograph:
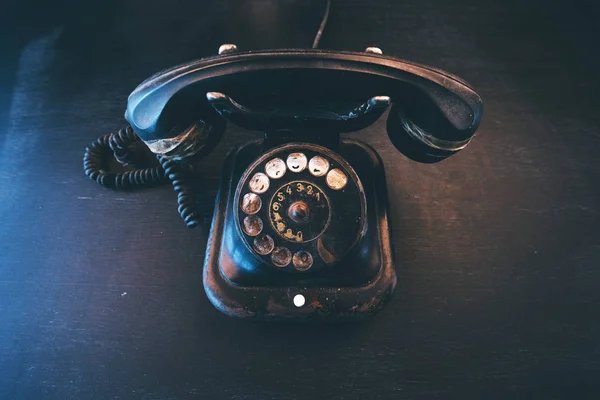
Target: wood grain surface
497 248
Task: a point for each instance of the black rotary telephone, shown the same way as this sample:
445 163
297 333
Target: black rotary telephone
300 227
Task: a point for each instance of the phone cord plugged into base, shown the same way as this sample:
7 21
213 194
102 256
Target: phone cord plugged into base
119 146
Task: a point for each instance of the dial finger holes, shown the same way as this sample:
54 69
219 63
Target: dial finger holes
318 166
336 179
275 168
285 209
281 256
253 225
259 183
302 260
251 203
263 244
296 162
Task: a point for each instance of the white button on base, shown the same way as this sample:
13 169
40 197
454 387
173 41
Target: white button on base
299 300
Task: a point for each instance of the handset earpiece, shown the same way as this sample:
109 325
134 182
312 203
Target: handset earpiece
431 124
187 130
188 127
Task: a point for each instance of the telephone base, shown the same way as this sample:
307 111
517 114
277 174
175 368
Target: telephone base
300 297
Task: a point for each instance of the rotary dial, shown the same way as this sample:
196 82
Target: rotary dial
301 208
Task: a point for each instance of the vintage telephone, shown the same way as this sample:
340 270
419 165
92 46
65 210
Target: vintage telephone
300 226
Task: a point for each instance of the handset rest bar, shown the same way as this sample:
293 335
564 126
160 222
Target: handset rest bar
308 118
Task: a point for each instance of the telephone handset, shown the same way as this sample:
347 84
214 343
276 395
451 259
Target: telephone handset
300 227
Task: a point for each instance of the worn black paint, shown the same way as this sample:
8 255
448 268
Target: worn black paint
358 284
100 291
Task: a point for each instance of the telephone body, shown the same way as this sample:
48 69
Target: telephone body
300 227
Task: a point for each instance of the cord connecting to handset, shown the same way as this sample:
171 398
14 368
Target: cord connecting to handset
120 146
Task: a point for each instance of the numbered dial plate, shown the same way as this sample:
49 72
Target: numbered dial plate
300 208
299 211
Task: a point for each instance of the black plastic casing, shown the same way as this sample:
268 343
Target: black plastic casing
361 283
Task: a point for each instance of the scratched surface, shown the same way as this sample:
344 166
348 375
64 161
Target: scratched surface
498 248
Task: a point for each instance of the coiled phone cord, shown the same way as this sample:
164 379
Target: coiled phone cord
119 146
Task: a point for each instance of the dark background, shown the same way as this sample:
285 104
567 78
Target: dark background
497 248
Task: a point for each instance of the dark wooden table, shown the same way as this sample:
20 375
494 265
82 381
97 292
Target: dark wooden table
498 248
